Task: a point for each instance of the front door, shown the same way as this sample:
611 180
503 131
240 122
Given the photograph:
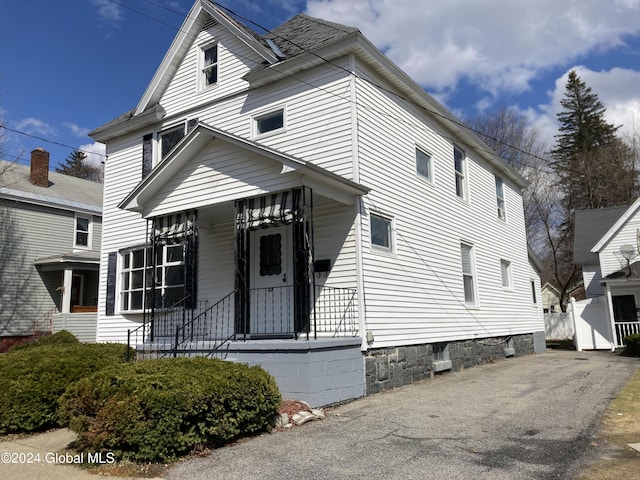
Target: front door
271 292
77 287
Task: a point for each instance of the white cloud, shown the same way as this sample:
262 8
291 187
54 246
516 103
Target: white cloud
498 45
76 129
96 153
108 11
34 126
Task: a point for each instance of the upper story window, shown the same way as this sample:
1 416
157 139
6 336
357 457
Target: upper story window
209 72
534 296
82 232
460 168
269 122
169 138
502 213
381 232
424 167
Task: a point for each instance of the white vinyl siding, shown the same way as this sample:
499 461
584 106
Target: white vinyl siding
417 295
609 257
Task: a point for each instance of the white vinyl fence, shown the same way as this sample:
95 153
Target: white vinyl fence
558 326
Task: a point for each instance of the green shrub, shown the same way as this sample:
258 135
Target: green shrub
62 337
157 410
632 345
32 379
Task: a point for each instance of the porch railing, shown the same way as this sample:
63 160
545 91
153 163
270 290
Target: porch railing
208 332
336 311
624 329
180 331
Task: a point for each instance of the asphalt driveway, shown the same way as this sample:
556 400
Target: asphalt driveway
532 417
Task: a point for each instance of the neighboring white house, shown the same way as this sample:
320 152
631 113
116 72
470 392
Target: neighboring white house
607 247
49 251
299 202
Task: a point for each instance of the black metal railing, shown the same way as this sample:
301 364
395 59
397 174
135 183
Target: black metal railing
178 331
336 311
208 332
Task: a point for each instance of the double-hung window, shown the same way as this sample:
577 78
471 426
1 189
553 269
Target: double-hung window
209 73
424 165
468 274
460 171
169 279
81 234
502 215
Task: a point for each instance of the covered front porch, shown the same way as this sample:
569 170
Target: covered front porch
72 281
622 294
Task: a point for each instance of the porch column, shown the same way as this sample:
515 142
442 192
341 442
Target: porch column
67 282
609 310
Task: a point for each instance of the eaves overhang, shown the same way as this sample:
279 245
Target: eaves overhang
202 135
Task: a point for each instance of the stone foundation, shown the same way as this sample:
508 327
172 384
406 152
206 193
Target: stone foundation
393 367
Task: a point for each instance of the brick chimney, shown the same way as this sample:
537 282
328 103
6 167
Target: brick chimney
40 167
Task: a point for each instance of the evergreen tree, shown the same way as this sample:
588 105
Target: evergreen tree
76 166
595 168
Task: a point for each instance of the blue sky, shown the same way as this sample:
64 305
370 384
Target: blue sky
69 67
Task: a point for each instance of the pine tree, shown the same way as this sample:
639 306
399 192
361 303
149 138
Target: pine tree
589 158
76 166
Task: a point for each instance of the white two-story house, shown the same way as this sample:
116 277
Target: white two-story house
295 200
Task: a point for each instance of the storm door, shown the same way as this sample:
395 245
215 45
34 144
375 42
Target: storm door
271 291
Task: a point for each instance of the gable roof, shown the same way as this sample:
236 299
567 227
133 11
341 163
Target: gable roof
64 191
628 214
200 136
304 42
590 227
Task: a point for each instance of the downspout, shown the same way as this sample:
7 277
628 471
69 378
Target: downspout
355 155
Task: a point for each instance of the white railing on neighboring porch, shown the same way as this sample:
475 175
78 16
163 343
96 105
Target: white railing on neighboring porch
624 329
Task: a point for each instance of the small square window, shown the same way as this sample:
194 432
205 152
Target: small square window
423 165
270 122
505 268
82 232
381 232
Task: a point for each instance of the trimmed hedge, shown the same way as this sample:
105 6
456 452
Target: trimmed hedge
158 410
632 345
62 337
33 378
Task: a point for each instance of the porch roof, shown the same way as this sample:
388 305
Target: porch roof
325 182
85 260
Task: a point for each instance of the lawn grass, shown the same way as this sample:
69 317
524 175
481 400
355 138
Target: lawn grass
621 426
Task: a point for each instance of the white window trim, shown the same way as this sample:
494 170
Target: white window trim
265 113
474 274
505 268
202 85
120 290
463 174
430 179
89 231
392 233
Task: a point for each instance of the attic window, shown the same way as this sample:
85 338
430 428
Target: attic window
209 65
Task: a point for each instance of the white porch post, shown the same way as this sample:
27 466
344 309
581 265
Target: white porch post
610 317
66 294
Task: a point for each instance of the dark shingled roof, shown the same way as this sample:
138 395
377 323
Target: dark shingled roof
304 33
590 227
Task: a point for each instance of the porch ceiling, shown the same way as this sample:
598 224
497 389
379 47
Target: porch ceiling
322 181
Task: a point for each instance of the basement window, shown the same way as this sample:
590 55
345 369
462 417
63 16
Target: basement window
441 358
